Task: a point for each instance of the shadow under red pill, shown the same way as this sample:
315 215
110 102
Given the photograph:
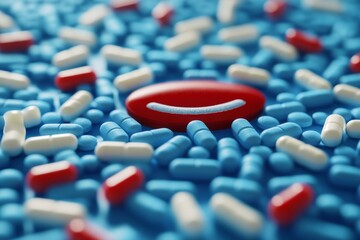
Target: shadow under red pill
175 104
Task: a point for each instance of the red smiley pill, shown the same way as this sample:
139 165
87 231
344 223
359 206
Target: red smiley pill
175 104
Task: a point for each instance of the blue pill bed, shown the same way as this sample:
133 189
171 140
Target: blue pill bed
81 160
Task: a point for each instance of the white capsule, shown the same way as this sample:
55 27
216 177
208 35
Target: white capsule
187 214
236 215
239 34
94 15
221 53
13 81
310 80
324 5
124 152
333 130
198 24
32 116
251 75
77 36
50 144
129 81
353 128
304 154
53 212
347 94
226 10
71 57
119 55
5 21
14 133
76 105
281 49
182 42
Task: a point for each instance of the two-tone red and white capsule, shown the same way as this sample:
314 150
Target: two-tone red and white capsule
68 80
16 41
79 229
303 42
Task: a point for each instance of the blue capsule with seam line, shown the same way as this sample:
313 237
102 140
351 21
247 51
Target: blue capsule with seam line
51 117
229 155
174 148
54 128
262 151
165 189
198 152
316 98
337 68
84 123
265 122
271 135
194 169
87 143
80 189
11 104
129 124
281 111
328 205
201 135
277 184
155 137
252 167
245 133
243 189
110 131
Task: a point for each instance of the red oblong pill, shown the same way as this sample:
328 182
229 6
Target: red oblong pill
15 41
286 206
355 63
41 178
119 186
70 79
175 104
303 42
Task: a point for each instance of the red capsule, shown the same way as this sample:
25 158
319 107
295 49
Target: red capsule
41 178
355 63
70 79
275 8
119 186
15 41
124 5
286 206
79 229
162 13
303 42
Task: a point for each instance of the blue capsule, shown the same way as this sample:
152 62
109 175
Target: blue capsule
53 128
44 107
110 170
51 117
277 86
13 213
346 151
340 159
95 116
281 163
245 133
351 79
110 131
319 118
271 135
262 151
252 167
165 189
8 195
154 137
263 59
104 103
7 230
90 163
198 152
174 148
84 123
277 184
33 160
170 59
4 159
229 155
328 205
11 178
169 236
201 135
281 111
285 97
126 122
201 74
243 189
104 88
316 98
300 118
345 176
87 143
11 104
349 213
265 122
311 137
194 169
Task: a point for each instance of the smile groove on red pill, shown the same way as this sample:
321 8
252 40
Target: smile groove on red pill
175 104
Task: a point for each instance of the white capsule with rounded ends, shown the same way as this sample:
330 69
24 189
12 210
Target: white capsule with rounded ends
71 57
199 24
279 48
236 215
49 145
182 42
77 36
221 53
130 81
5 21
13 81
324 5
94 15
32 116
119 55
188 214
76 105
353 128
124 152
239 34
333 130
250 75
304 154
53 212
14 133
347 94
311 81
226 10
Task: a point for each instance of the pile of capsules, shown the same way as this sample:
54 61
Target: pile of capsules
75 164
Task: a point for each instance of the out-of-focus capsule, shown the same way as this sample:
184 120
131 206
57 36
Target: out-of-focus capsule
355 63
226 10
221 54
303 42
15 41
281 111
200 24
14 135
239 34
347 94
70 79
94 15
79 229
116 55
165 189
77 36
271 135
50 144
13 81
5 21
289 204
275 8
130 81
250 75
162 13
124 5
71 57
316 98
310 80
182 42
324 5
281 49
333 130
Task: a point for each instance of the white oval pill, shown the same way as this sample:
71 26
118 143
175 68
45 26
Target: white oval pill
77 36
310 80
333 129
353 128
251 75
182 42
13 81
130 81
119 55
221 53
94 15
14 133
71 57
347 94
200 24
279 48
239 34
